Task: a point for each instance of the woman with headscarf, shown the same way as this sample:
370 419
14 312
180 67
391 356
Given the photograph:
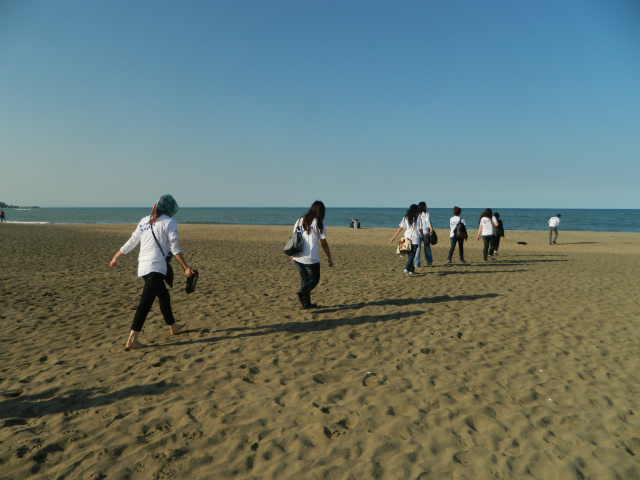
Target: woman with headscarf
410 223
308 260
158 237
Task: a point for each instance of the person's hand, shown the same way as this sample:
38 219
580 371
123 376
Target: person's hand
113 263
478 237
330 263
189 272
392 240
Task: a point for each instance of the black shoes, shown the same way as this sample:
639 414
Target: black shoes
304 299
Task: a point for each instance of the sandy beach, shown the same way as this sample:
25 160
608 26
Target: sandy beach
522 368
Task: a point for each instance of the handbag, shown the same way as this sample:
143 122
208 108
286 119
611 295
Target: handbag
433 237
295 243
404 246
168 277
495 230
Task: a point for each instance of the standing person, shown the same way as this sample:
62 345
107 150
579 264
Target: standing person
410 224
308 261
453 224
500 233
485 229
553 227
156 234
424 226
2 219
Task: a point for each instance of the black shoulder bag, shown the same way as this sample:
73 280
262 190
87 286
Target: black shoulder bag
169 275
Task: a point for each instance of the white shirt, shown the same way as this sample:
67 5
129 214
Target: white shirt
554 222
424 223
411 231
150 258
453 223
309 254
487 226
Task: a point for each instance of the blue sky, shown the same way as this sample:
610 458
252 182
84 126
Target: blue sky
360 104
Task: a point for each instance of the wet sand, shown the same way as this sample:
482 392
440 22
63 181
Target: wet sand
522 368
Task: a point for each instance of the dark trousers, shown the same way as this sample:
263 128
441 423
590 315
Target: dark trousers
496 241
489 245
460 243
309 276
410 267
153 287
553 230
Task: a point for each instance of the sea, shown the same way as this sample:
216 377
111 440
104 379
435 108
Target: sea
513 218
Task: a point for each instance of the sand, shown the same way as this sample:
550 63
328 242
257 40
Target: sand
522 368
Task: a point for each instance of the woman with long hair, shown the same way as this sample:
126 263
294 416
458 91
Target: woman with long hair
453 225
486 225
156 235
308 261
425 232
410 223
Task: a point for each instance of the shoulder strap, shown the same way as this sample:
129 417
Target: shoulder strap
157 242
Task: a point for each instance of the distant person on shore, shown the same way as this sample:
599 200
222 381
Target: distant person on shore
157 236
553 228
424 226
500 233
2 219
308 261
410 224
486 224
457 235
356 225
352 223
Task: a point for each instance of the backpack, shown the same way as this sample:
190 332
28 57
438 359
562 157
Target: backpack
461 231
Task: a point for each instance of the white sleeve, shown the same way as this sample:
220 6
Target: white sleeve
172 232
132 242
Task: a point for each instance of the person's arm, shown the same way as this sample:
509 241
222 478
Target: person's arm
188 271
479 230
127 247
397 232
114 261
327 252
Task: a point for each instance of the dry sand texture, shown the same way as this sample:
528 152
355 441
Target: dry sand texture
524 368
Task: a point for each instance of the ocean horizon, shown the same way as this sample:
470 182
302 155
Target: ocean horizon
599 220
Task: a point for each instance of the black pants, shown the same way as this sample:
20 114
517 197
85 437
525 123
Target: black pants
496 241
489 245
460 243
153 287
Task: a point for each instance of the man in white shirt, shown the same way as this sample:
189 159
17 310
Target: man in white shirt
553 228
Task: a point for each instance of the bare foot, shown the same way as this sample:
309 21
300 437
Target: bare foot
133 345
176 327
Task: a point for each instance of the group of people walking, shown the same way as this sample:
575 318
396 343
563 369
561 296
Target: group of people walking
158 233
418 230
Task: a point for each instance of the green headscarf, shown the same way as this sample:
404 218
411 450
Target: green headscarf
166 204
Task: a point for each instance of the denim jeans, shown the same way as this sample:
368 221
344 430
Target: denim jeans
309 276
411 255
427 253
460 242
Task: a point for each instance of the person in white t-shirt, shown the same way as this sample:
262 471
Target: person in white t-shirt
453 226
553 227
157 235
410 224
485 229
424 227
308 260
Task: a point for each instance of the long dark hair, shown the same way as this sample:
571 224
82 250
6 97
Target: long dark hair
412 214
422 207
316 212
487 213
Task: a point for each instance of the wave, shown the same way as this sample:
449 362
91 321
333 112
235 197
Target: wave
32 223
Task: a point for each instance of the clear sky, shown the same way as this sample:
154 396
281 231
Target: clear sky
357 103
